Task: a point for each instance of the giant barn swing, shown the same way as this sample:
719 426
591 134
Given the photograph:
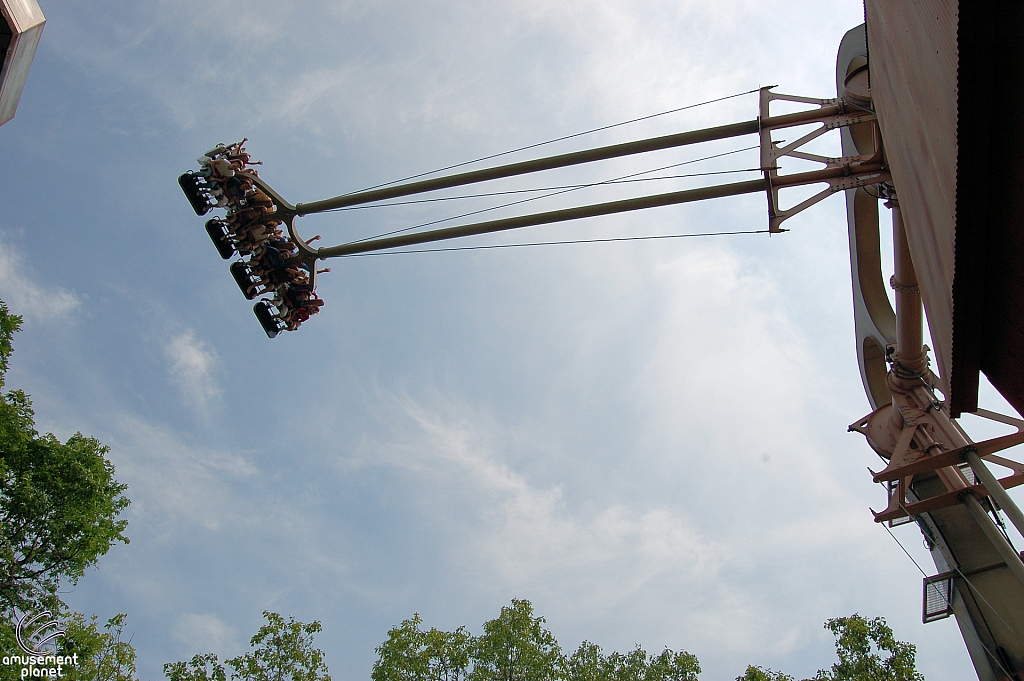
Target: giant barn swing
934 474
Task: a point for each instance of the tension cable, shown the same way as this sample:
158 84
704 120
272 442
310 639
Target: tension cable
557 139
559 243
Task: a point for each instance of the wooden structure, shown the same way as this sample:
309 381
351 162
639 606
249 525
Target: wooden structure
21 25
944 79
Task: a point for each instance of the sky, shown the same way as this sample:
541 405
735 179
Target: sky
645 439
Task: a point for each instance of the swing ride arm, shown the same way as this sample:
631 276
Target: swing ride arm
227 180
593 210
826 112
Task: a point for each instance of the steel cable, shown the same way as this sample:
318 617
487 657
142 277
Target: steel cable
544 196
557 139
558 243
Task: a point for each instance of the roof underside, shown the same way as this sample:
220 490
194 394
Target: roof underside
988 291
946 81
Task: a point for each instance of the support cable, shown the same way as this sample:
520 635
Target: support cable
962 575
544 196
557 139
558 243
546 189
546 218
991 655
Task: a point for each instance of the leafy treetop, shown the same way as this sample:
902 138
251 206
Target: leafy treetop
858 643
515 646
282 651
59 502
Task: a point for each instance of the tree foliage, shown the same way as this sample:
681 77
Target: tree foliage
199 668
515 646
103 655
282 651
59 512
859 642
760 674
59 502
412 654
588 663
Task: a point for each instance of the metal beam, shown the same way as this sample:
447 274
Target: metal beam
532 166
573 158
685 196
995 489
1009 556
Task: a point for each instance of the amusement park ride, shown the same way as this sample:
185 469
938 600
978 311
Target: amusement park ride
915 115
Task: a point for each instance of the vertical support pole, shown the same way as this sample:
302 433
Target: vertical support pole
997 540
769 163
995 489
909 318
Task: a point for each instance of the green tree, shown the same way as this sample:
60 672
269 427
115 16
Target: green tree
760 674
859 642
403 657
59 513
59 502
283 651
199 668
515 646
102 655
448 652
586 664
411 654
589 664
672 666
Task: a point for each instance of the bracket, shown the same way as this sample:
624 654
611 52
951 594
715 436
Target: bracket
916 452
853 171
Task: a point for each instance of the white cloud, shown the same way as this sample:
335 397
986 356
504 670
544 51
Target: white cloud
511 534
193 364
27 297
525 530
172 482
204 632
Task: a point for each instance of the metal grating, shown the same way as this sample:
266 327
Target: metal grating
890 488
968 472
938 597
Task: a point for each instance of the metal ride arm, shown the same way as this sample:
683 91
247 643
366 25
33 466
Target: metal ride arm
838 174
832 108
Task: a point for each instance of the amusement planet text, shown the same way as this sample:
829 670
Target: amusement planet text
39 666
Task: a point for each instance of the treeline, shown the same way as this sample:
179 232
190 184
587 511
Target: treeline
516 646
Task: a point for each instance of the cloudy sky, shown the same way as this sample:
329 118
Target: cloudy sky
647 439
